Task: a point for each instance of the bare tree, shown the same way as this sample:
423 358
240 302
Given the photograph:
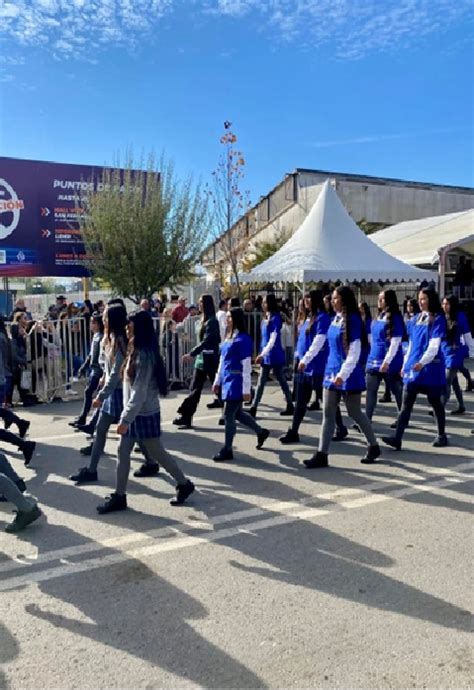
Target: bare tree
229 203
143 229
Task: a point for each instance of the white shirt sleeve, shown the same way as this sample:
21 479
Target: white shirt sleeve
395 343
315 347
218 379
268 347
407 354
246 375
352 358
469 341
431 351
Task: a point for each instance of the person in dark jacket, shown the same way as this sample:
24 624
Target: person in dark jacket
19 357
206 361
92 364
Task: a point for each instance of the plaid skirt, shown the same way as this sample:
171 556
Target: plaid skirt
113 405
145 426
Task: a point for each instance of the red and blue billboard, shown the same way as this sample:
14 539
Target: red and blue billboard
39 217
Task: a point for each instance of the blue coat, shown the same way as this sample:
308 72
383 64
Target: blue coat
423 329
337 355
276 356
233 352
381 343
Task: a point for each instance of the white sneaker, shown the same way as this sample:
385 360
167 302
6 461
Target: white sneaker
70 391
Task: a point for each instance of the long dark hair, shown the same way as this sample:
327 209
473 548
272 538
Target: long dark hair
115 323
414 305
238 320
272 304
317 306
392 308
349 308
96 317
452 318
367 318
208 312
434 304
144 340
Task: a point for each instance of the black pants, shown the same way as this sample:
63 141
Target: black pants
435 399
304 389
90 389
189 405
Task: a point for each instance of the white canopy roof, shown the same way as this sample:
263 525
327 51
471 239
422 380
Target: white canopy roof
420 242
329 246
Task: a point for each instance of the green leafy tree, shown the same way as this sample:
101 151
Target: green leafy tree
143 230
229 203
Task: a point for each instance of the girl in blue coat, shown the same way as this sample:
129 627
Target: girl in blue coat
455 348
423 368
272 355
344 376
312 351
385 359
233 381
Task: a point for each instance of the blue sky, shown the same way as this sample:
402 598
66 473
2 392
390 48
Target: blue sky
378 87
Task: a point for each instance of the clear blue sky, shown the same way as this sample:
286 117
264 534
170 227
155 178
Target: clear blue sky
379 87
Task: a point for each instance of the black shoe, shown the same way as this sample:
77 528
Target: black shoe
214 405
87 450
223 455
392 442
372 454
318 460
182 493
385 399
315 406
182 422
86 429
356 427
469 387
431 413
262 437
84 476
440 442
221 421
393 425
458 411
21 485
288 411
147 470
113 503
28 450
252 411
23 427
77 422
7 424
23 518
290 437
340 434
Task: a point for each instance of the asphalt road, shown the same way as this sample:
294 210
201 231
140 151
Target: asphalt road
272 576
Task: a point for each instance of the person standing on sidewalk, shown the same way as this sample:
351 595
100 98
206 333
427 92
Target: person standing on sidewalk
233 381
206 361
144 379
272 356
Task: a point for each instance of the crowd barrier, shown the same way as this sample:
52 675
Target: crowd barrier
57 349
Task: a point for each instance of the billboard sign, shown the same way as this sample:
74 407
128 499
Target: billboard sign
39 217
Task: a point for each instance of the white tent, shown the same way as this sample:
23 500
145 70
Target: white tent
329 246
427 241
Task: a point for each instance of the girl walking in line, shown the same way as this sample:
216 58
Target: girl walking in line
110 396
313 349
233 380
385 358
206 361
423 368
300 339
344 376
271 356
144 379
95 369
454 348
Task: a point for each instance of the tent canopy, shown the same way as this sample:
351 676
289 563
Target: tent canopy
421 242
329 246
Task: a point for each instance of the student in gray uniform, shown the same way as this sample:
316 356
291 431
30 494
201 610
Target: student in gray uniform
95 369
144 379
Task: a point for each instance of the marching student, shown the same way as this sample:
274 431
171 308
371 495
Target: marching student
206 361
144 378
92 364
344 376
233 380
385 359
423 368
110 397
272 356
301 316
458 341
313 351
12 488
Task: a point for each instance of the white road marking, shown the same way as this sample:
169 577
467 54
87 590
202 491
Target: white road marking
290 512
